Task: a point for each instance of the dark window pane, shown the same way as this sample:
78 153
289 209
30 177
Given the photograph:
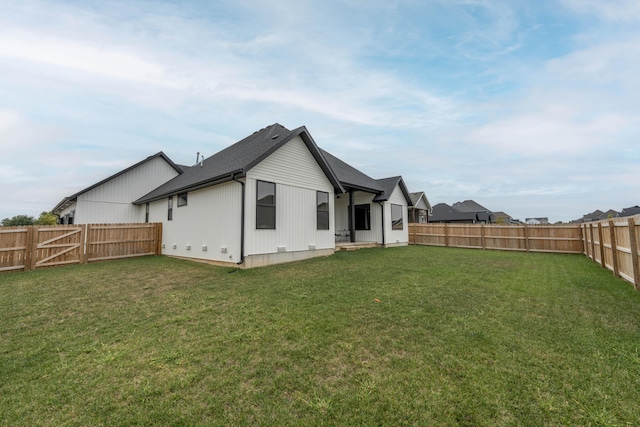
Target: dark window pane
266 193
265 205
323 220
322 203
396 217
266 217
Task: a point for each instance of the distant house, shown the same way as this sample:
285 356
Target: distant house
504 218
537 221
461 212
419 212
597 215
272 197
633 210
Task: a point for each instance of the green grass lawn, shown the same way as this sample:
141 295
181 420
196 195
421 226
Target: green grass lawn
403 336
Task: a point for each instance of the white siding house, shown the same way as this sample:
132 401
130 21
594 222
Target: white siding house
272 197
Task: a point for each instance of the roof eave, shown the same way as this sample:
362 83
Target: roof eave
197 186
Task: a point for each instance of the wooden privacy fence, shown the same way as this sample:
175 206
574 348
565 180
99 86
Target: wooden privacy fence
30 247
538 238
613 243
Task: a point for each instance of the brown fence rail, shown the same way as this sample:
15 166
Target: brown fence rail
611 243
30 247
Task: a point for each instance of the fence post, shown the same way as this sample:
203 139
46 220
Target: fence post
28 244
83 244
614 248
446 236
33 244
482 236
583 236
602 263
634 254
593 243
526 237
159 238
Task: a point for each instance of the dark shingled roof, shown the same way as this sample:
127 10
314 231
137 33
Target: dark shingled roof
351 177
469 206
237 159
388 185
633 210
68 201
445 213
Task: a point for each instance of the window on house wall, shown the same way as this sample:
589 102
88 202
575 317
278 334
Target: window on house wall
265 205
170 209
396 217
322 206
71 215
363 217
182 199
146 212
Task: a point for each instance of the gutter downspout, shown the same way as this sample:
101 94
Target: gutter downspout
242 209
383 236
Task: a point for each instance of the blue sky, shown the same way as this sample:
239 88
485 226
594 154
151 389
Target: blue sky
527 107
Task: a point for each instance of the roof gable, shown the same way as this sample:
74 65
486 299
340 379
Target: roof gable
69 200
419 196
389 185
237 159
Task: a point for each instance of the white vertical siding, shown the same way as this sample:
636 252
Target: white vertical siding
396 236
297 177
294 165
211 217
111 202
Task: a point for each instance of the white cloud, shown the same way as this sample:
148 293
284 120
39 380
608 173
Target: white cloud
106 61
610 10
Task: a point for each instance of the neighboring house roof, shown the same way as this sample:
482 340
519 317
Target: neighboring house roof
444 212
415 199
351 177
469 206
503 215
237 159
598 215
633 210
389 185
69 200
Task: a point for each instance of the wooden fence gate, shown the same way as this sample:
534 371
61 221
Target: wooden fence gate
57 246
31 247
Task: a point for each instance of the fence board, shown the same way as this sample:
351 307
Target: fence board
28 248
561 239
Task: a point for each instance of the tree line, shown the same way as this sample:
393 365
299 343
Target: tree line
45 218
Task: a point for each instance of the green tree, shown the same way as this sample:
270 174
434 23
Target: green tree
18 220
46 218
